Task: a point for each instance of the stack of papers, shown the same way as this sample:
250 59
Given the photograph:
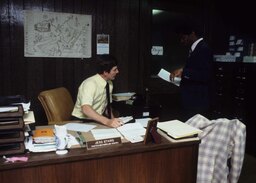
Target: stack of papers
122 96
99 134
177 129
43 140
43 147
133 132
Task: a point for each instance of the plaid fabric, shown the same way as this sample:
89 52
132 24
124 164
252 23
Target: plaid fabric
221 139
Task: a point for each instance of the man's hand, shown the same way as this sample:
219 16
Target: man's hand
176 73
114 122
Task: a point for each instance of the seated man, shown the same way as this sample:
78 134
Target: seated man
93 100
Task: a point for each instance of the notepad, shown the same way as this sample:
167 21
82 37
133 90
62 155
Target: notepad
177 129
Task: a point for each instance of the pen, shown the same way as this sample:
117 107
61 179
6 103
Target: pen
80 142
81 138
131 121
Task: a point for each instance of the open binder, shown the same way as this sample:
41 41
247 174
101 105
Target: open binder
178 130
166 136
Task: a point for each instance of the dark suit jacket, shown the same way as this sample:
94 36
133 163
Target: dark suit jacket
196 83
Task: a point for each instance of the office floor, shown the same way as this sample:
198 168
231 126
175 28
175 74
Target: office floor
248 174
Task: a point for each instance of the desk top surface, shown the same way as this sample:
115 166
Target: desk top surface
78 154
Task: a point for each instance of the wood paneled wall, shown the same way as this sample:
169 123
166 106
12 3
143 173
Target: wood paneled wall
126 21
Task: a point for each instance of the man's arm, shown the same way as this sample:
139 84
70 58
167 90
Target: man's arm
92 114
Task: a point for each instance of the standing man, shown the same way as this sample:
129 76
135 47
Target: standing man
92 98
196 75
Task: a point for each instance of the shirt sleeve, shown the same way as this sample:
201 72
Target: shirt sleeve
86 93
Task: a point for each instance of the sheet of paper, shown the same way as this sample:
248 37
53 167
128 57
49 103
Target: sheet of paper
26 106
79 127
105 133
126 119
143 121
165 75
9 109
71 141
29 117
135 139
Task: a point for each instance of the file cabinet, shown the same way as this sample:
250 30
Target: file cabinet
235 96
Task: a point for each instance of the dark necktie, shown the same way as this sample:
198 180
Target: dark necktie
189 53
108 101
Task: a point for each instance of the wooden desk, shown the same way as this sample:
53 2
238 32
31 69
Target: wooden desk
126 163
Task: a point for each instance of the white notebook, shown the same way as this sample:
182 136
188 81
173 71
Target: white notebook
177 129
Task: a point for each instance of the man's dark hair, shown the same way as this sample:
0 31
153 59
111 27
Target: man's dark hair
105 63
187 28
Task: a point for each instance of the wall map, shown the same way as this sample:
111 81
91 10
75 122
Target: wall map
50 34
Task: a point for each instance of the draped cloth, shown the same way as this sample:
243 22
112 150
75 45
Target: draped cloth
222 140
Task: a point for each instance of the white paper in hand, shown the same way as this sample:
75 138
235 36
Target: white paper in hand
165 75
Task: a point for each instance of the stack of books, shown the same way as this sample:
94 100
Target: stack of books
177 131
11 130
43 140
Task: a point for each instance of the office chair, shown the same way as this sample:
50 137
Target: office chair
58 105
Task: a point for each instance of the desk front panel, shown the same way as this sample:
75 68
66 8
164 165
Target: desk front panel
163 165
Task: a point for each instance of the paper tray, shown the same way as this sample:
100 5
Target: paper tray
12 148
11 136
11 123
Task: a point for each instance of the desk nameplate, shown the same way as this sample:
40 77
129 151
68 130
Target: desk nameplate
103 143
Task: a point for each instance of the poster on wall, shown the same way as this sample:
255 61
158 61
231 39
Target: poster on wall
102 44
50 34
157 50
